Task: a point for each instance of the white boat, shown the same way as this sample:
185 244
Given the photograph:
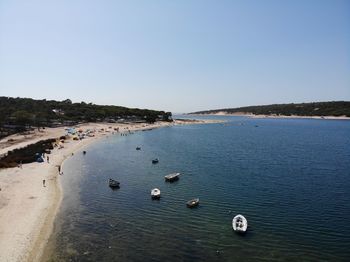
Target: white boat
172 177
155 193
239 224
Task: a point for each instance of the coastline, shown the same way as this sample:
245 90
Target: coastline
27 209
222 113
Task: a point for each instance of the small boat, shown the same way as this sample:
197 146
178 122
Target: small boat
155 193
172 177
138 148
239 224
113 183
193 203
155 161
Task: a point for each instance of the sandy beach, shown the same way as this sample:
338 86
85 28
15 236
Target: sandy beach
27 208
301 117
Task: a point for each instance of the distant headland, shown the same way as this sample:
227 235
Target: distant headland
327 110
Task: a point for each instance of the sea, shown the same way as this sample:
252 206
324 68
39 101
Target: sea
290 178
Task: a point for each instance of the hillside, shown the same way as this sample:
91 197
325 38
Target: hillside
334 108
19 114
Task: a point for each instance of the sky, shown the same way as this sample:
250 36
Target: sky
180 55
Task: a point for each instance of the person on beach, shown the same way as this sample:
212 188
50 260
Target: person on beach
48 159
44 183
59 169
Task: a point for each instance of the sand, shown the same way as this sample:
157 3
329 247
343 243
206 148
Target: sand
302 117
27 208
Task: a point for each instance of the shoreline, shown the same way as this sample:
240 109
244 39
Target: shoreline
274 116
27 209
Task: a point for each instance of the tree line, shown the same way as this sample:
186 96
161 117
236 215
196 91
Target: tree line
21 113
333 108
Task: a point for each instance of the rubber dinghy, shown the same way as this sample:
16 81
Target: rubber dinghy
155 193
239 224
193 203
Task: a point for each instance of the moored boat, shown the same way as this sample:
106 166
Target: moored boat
114 183
155 193
155 161
172 177
193 203
239 224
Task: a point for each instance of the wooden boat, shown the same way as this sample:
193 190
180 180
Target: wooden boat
239 224
172 177
138 148
114 183
193 203
155 161
155 193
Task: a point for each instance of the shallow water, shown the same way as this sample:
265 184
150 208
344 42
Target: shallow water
289 177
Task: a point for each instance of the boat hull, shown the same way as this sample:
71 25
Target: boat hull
155 196
193 203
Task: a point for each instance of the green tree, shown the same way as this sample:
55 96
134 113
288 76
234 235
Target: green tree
22 119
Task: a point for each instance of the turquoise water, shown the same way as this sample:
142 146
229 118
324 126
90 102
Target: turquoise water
289 178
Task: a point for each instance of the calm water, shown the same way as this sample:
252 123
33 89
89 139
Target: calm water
289 178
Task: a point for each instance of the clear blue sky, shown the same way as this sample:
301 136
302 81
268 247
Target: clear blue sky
178 55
